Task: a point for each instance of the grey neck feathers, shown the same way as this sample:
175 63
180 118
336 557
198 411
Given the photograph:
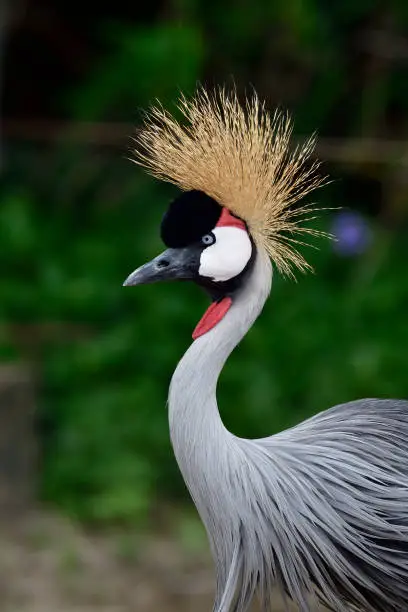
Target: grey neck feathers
195 421
202 445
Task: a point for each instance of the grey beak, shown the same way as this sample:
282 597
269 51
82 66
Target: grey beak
172 264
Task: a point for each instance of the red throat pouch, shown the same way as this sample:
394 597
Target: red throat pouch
212 316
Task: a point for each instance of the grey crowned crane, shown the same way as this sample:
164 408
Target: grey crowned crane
320 510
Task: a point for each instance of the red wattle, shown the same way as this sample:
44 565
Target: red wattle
228 220
212 316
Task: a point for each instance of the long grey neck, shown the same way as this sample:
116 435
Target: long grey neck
196 427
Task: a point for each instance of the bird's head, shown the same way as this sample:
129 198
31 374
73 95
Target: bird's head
239 185
206 244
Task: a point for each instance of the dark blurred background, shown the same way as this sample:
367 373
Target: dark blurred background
85 364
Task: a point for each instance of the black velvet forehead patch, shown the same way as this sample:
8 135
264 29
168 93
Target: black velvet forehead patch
189 217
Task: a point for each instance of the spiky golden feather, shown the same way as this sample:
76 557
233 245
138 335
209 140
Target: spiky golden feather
241 157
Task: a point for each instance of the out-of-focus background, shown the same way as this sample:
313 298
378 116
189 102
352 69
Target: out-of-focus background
94 515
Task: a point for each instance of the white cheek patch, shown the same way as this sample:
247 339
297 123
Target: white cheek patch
228 256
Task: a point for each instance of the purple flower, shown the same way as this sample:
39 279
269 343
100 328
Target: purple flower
352 233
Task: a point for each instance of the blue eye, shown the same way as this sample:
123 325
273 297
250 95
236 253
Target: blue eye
208 239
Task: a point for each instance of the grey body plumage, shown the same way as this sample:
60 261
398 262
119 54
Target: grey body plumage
320 510
320 507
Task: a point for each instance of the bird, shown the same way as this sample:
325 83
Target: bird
318 512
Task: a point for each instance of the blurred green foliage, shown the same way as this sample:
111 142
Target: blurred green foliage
75 220
159 61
